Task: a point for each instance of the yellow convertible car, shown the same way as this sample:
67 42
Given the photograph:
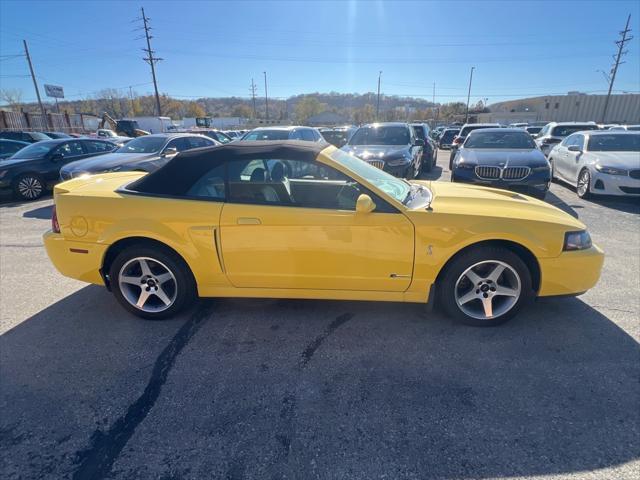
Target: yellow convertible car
302 220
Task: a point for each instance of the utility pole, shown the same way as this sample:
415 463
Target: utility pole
266 96
614 69
466 117
35 84
253 97
433 101
150 59
378 101
133 110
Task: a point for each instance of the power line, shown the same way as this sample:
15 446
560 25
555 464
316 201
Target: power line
617 63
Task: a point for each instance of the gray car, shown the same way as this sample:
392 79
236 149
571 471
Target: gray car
146 154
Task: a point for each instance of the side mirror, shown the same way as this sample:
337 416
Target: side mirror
574 148
419 142
57 157
364 204
169 151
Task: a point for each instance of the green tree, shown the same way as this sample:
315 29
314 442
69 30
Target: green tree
307 107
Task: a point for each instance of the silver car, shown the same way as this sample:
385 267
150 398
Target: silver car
553 133
599 162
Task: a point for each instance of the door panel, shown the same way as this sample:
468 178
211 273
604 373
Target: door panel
314 248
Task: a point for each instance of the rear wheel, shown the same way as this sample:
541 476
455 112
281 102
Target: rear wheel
28 186
151 282
485 286
427 164
583 189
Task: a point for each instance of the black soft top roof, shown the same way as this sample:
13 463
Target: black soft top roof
188 166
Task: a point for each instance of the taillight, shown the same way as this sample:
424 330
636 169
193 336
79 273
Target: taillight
55 226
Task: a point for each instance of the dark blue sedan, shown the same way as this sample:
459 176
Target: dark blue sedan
506 158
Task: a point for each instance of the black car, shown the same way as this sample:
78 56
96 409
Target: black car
430 149
9 147
446 138
392 147
34 169
24 136
143 154
462 135
505 158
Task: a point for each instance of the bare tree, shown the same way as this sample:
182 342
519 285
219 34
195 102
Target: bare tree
11 97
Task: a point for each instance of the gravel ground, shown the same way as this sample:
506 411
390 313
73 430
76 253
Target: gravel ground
313 389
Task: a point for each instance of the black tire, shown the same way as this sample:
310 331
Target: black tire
29 186
584 194
184 285
454 270
452 156
553 171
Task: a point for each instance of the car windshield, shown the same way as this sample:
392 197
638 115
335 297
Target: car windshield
566 130
486 139
35 150
392 186
381 135
267 135
145 144
614 143
534 130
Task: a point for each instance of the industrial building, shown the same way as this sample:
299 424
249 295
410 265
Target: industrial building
575 106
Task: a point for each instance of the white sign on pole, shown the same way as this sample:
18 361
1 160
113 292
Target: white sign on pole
54 91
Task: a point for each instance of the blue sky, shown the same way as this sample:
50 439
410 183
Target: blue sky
519 48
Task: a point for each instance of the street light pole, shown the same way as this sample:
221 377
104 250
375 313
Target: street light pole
266 96
378 102
466 117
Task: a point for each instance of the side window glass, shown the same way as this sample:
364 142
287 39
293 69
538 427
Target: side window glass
197 142
307 134
294 183
579 141
70 149
568 141
296 135
210 185
98 147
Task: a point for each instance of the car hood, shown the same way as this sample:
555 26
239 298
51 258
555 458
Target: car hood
625 160
503 157
108 161
373 152
473 200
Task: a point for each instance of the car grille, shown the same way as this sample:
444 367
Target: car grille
488 173
376 163
515 173
635 174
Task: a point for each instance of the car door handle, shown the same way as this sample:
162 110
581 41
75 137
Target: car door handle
248 221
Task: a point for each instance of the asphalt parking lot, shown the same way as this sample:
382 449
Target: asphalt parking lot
314 389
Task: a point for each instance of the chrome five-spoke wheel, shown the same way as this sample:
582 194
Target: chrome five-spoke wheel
148 284
487 289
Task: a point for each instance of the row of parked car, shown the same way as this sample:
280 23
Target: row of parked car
486 154
592 158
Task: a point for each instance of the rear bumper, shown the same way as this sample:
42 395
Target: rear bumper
571 273
79 260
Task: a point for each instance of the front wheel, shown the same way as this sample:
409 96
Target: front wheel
28 186
151 282
583 189
485 286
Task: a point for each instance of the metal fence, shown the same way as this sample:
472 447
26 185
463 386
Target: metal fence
58 122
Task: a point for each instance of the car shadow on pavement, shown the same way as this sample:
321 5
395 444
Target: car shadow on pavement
42 213
11 202
434 174
556 201
623 204
293 388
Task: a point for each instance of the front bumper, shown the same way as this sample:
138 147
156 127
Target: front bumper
604 184
572 273
536 183
79 260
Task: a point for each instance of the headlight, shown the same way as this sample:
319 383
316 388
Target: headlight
576 241
465 165
611 170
